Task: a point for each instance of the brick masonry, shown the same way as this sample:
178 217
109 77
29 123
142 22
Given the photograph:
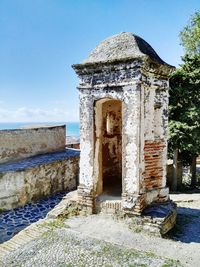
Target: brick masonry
153 158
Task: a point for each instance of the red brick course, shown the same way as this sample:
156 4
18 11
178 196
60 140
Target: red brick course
153 173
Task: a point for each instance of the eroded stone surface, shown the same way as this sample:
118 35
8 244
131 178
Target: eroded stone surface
122 46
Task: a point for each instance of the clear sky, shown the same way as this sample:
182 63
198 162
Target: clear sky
41 39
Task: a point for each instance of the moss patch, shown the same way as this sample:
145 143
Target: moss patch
56 223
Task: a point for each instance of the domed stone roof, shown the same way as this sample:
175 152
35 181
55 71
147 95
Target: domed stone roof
122 46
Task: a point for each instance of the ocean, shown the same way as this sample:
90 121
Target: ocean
72 127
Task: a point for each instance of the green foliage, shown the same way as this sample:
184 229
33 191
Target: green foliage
184 109
56 223
170 263
1 211
190 36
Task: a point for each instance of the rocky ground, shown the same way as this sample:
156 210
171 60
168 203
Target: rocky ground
102 241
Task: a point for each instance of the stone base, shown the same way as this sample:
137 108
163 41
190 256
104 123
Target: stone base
111 206
69 206
157 219
86 198
133 204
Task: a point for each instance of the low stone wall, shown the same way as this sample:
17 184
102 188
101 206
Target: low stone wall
36 177
22 143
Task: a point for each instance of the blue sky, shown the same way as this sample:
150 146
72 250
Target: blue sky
41 39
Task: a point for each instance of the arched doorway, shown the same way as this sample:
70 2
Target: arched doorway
108 146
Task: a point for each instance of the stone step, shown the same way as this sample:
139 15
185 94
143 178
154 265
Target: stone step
108 206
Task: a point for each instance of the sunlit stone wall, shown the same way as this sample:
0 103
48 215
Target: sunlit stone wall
22 143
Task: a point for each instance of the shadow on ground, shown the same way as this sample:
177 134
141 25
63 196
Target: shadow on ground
187 228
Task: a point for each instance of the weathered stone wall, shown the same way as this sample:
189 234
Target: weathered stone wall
154 145
21 143
118 82
144 95
141 84
37 177
124 68
130 109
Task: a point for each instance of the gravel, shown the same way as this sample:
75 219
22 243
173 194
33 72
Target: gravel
63 247
99 240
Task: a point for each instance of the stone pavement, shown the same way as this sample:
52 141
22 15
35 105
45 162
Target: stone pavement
103 241
86 241
60 246
11 222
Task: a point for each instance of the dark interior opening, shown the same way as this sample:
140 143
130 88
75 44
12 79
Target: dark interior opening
112 147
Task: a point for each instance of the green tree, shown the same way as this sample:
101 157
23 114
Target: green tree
184 105
184 112
190 36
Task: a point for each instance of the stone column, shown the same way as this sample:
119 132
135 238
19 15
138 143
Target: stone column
85 188
131 148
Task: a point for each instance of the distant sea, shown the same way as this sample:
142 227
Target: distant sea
72 127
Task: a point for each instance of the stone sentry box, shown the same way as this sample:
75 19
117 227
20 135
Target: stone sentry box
123 93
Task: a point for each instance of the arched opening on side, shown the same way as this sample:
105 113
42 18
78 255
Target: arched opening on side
108 146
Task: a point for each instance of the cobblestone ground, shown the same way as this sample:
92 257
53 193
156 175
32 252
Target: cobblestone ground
11 222
65 248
